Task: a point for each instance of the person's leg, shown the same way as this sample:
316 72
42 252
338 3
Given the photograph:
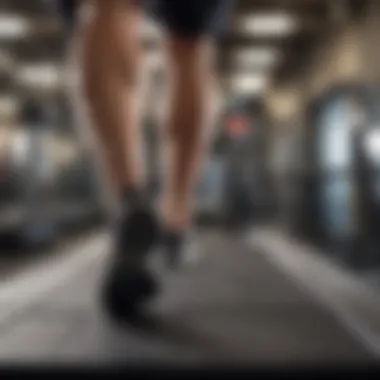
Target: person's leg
109 54
191 48
191 117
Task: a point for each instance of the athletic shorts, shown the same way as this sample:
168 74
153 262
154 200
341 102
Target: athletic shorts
180 17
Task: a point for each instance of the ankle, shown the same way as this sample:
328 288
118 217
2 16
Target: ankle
175 219
135 198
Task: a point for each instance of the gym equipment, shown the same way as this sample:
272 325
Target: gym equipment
343 208
48 188
247 189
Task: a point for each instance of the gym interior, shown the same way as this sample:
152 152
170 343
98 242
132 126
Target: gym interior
286 207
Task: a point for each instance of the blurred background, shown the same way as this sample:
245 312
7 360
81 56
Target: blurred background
297 145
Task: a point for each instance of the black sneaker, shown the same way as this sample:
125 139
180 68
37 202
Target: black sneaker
130 284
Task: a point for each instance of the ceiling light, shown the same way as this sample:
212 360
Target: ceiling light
13 26
256 56
248 84
268 24
41 75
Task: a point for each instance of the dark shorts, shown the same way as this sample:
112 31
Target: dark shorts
181 17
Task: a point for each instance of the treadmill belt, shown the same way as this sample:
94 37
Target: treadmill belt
236 308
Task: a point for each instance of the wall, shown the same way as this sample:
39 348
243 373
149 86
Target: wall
349 54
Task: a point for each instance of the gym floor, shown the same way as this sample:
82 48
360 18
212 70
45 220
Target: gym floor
256 299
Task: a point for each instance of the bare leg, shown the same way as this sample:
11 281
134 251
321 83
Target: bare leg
192 113
109 57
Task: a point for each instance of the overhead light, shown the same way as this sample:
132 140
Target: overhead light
13 26
255 56
278 24
41 75
248 84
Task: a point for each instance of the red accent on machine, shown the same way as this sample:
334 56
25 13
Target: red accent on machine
237 125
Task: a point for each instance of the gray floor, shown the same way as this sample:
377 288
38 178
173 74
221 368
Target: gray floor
236 308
